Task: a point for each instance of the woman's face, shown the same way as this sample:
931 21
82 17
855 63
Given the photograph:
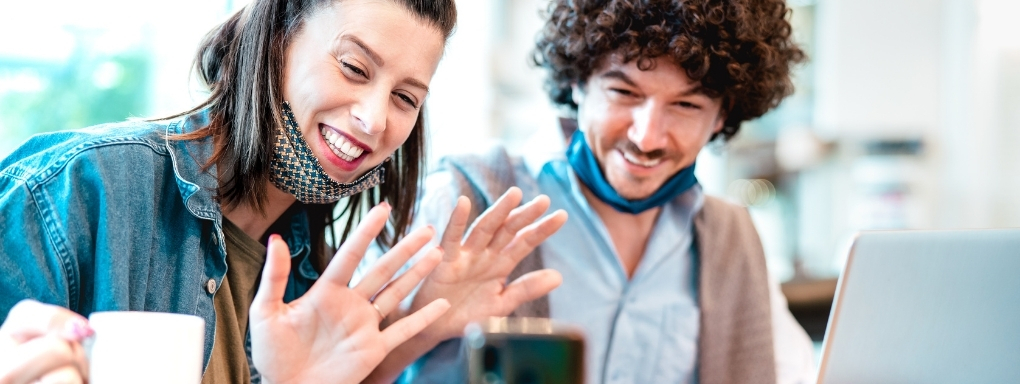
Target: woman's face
356 75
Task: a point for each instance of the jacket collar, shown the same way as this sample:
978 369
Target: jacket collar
196 183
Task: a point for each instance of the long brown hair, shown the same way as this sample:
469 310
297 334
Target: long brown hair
241 62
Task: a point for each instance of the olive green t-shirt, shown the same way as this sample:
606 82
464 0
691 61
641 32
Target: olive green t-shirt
245 258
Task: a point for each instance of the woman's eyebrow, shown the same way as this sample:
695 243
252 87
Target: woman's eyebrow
417 83
364 47
378 60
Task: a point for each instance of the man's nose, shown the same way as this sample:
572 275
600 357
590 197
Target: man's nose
647 130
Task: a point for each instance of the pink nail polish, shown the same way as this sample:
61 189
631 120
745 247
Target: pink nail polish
79 330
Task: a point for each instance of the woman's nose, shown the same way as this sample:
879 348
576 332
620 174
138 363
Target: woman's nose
370 112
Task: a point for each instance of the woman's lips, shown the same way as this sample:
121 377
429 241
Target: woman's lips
344 151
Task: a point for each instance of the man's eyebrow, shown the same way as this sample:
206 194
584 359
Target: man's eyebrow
694 91
364 47
619 75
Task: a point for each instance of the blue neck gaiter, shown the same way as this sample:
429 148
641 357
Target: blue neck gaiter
583 161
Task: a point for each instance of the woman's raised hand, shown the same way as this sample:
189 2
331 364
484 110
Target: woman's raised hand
332 333
43 342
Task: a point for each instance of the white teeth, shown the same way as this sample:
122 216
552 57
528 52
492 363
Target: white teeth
634 160
340 146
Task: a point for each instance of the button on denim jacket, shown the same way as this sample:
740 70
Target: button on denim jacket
118 218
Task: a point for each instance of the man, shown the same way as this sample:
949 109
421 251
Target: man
668 284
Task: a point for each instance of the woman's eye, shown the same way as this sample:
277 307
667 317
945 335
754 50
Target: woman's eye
407 99
355 69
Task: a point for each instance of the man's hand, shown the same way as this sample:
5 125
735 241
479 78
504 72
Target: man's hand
332 332
474 271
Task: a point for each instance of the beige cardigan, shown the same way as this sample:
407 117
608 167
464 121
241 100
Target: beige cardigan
735 343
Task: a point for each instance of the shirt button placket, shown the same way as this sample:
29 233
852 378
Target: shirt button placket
210 286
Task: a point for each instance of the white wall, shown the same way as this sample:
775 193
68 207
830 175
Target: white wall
877 66
460 101
943 71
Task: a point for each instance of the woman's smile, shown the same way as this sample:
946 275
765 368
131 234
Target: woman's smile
347 151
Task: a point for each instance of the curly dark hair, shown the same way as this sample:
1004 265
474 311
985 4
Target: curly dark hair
740 50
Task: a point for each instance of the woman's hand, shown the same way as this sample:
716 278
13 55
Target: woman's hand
331 334
42 342
474 271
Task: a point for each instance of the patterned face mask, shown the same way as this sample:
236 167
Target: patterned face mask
295 169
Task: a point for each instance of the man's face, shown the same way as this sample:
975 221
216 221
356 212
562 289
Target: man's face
644 126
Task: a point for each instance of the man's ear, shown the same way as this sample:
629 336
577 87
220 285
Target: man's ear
720 122
576 94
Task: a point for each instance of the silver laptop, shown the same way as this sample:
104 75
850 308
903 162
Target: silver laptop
927 307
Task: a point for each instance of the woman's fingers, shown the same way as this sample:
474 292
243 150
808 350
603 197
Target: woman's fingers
455 228
519 217
529 287
40 356
346 260
406 328
65 375
388 265
29 319
274 277
528 238
388 300
488 222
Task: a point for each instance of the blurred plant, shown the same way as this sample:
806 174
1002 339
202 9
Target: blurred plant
84 90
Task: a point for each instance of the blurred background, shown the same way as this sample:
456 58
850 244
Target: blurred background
906 116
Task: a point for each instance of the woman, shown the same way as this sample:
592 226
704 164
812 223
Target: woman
312 102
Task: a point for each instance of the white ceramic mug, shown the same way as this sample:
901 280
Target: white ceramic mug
146 347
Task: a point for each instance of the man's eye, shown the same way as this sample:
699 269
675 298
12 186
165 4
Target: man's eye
685 104
355 69
621 91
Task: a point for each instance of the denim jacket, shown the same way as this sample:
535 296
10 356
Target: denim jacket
118 218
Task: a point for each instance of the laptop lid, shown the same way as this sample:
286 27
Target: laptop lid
927 307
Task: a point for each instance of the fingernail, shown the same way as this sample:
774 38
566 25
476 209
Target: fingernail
385 204
78 330
440 248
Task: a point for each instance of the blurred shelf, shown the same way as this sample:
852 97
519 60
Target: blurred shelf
809 292
810 302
